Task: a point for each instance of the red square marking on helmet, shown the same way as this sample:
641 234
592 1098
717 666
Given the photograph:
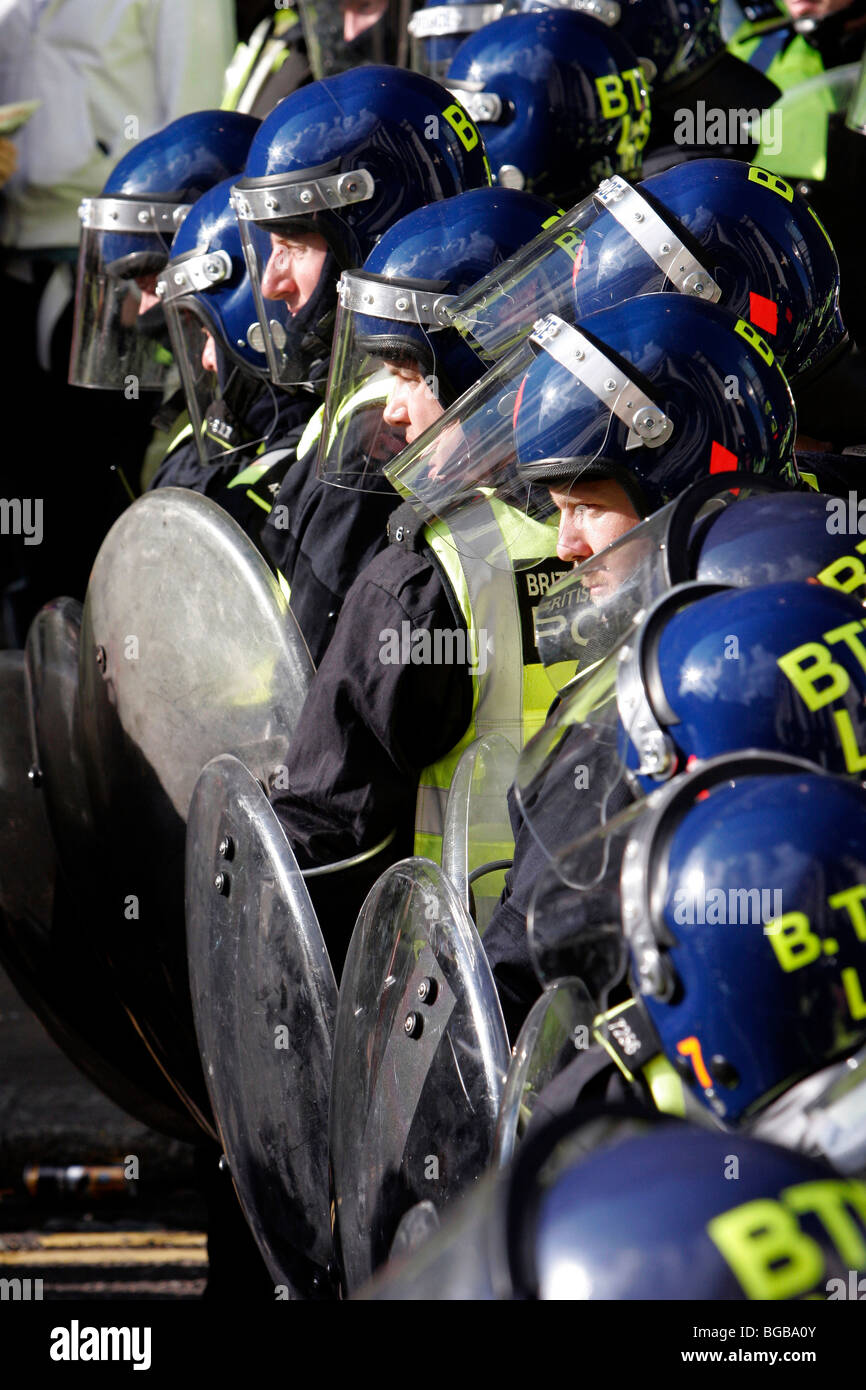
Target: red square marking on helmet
721 459
764 313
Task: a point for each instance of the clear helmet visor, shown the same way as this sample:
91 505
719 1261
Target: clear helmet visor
384 382
823 1115
437 31
229 407
278 299
615 227
290 264
574 924
570 777
119 333
856 117
470 461
583 617
341 34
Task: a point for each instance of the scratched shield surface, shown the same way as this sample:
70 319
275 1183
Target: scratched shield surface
188 650
420 1056
265 1002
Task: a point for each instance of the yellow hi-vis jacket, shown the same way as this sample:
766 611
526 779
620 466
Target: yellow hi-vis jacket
511 692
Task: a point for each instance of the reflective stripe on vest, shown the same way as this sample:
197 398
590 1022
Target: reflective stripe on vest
254 472
803 152
508 696
252 63
371 392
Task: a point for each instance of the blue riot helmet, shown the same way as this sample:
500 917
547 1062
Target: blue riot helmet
578 113
126 237
674 36
743 886
205 291
779 667
438 29
717 230
656 1216
333 166
672 421
604 1204
635 394
391 344
726 529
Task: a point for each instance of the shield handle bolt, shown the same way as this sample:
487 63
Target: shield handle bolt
227 847
221 884
101 659
413 1025
427 990
34 776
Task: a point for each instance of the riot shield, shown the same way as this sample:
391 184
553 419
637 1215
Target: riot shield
265 1002
420 1055
794 130
52 675
188 650
43 948
558 1023
477 841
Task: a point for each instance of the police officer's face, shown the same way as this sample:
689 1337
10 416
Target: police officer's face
359 15
591 516
293 269
411 403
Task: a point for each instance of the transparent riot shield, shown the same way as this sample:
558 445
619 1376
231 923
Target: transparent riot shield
477 840
188 650
794 130
43 946
265 1002
420 1055
558 1024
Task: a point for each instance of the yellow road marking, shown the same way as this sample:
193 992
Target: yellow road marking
102 1255
60 1240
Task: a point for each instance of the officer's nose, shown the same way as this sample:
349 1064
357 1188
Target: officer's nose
396 411
278 281
147 289
572 544
208 356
